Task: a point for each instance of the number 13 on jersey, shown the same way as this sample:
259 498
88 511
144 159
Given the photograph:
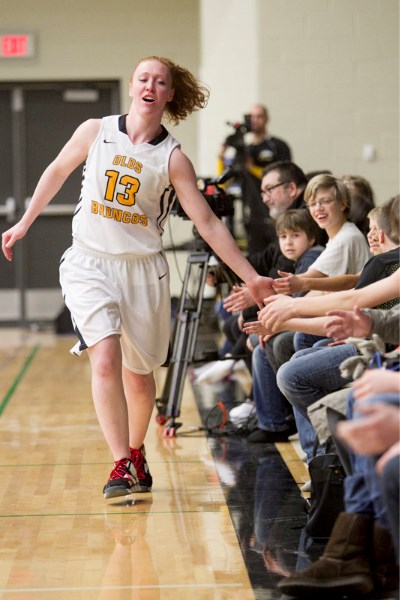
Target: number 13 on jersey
130 184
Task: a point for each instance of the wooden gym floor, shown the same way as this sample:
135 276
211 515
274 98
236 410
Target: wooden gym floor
197 535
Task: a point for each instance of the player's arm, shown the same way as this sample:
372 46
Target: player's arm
70 157
212 229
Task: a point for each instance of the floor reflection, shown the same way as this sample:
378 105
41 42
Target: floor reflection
264 500
127 534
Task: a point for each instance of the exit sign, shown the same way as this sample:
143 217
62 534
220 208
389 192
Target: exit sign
17 45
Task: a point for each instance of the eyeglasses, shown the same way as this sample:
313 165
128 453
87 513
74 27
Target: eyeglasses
269 189
373 234
322 203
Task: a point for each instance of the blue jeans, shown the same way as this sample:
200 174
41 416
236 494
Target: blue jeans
279 349
307 377
222 315
391 491
306 340
363 488
271 406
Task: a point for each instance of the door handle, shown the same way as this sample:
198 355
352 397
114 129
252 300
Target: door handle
9 209
55 210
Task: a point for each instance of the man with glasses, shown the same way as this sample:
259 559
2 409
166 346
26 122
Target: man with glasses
282 187
288 182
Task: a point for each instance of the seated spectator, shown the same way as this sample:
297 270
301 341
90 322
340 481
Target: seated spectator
296 233
362 200
383 235
312 374
282 188
330 195
328 201
280 309
360 556
378 433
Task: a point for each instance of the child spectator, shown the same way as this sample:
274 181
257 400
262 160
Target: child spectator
328 202
361 201
296 232
314 373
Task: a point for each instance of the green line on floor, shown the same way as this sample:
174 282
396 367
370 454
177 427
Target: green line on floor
18 379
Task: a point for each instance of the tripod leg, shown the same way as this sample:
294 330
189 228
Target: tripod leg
161 403
185 337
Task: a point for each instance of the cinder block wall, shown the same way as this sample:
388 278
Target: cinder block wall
328 70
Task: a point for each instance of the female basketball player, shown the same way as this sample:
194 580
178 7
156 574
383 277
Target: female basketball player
114 277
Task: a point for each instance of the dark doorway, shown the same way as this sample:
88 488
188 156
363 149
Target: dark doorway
36 119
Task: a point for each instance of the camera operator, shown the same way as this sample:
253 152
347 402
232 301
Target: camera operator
249 151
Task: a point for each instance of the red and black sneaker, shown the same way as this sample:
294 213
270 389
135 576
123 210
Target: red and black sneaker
123 479
138 457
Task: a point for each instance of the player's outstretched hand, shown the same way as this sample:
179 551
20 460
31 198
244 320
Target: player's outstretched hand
260 288
9 238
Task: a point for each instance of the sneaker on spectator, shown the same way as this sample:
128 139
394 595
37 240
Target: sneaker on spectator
262 436
138 457
194 373
123 479
216 371
239 365
240 414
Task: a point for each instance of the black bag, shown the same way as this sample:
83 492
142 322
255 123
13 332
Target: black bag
63 322
326 501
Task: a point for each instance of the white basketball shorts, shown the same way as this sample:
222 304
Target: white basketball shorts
125 295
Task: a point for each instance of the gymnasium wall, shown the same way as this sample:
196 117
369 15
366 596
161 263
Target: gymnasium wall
327 69
99 39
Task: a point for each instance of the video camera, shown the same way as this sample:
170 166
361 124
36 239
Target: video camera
218 200
236 139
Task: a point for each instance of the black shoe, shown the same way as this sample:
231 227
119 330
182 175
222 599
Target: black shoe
138 457
291 426
261 436
122 481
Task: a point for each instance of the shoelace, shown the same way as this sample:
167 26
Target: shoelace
138 460
120 469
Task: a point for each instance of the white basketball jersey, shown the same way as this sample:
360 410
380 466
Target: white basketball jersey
126 193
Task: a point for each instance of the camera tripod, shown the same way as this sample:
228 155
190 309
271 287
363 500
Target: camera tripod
185 336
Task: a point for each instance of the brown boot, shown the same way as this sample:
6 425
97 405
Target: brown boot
343 568
384 563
